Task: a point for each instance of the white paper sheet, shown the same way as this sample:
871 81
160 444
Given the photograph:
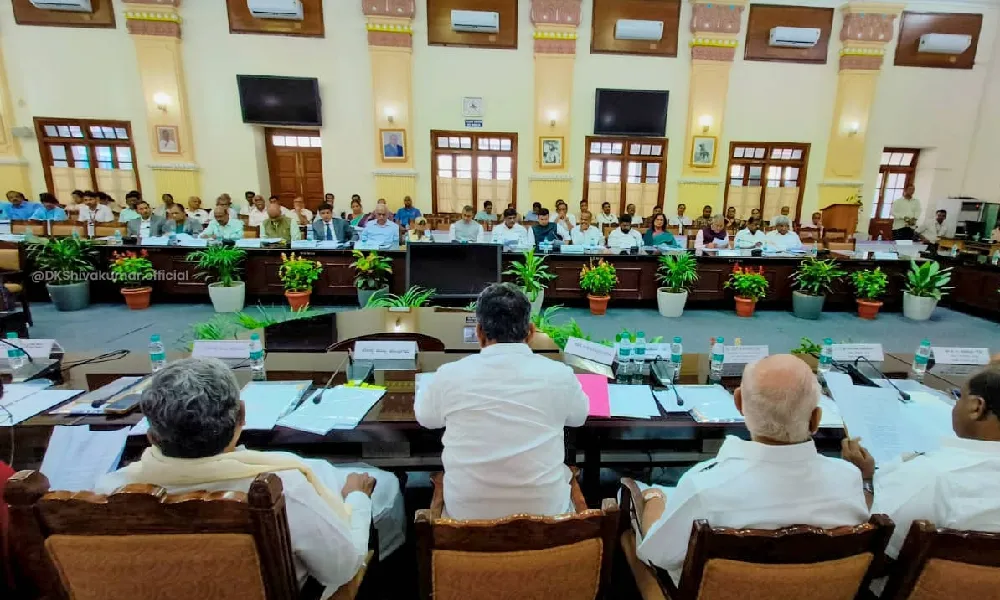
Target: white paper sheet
77 457
342 407
874 415
25 401
710 404
668 400
266 402
140 428
831 413
633 401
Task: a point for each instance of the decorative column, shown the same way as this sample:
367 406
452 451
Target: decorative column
13 166
390 46
867 30
716 30
155 28
555 36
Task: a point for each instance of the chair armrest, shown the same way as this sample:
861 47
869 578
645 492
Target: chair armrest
636 502
437 500
575 493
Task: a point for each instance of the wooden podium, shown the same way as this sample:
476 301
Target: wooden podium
841 216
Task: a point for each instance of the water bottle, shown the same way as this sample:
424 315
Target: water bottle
676 357
718 355
310 235
996 258
825 357
15 356
641 370
118 237
880 237
172 239
920 358
90 229
157 355
954 251
257 372
815 249
76 234
624 372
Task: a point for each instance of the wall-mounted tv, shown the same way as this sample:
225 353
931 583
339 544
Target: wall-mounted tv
631 112
270 100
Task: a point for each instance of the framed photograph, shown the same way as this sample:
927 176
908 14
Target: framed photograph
166 140
551 151
703 151
393 144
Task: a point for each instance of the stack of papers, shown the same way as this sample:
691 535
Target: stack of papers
709 404
342 407
21 401
596 389
632 401
77 457
266 401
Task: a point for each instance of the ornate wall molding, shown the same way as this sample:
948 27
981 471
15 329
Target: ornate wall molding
13 160
868 27
173 3
174 167
556 12
167 24
404 9
390 40
396 172
716 18
550 177
861 59
555 46
713 49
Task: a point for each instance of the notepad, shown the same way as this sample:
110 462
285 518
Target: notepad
266 401
596 389
342 407
632 401
77 457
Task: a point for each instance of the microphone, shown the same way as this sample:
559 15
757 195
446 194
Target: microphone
12 345
902 395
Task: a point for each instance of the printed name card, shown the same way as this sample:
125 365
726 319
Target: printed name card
736 358
599 353
958 361
385 350
36 347
222 349
366 245
851 352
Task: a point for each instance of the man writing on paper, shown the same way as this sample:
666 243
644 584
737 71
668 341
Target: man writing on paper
278 225
504 411
775 480
195 419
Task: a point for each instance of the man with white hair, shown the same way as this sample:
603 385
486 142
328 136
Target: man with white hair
782 238
775 480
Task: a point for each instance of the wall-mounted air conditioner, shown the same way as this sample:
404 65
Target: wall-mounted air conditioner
944 43
73 5
475 21
794 37
276 9
634 29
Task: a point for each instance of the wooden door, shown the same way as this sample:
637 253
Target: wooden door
295 165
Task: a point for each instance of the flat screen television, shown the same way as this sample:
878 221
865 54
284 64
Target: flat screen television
631 112
454 270
271 100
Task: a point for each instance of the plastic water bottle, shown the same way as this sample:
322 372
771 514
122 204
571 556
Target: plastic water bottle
90 229
118 237
676 357
718 356
624 373
641 366
157 354
825 357
15 356
815 249
172 239
921 357
310 234
257 372
996 258
880 237
954 251
76 233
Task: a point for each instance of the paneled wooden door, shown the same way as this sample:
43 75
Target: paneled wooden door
295 165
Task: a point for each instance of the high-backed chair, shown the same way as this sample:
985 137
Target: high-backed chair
849 246
792 563
425 343
141 542
943 564
528 557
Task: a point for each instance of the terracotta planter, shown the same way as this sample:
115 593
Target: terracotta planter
598 304
137 298
298 300
868 309
745 306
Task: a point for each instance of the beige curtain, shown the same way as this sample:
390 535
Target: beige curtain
775 198
643 195
116 182
453 194
496 190
745 199
599 192
67 179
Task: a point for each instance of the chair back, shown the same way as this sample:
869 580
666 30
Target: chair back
849 246
936 564
835 235
141 542
607 229
425 343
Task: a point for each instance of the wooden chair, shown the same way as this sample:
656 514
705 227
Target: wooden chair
782 564
568 557
835 235
940 564
425 343
141 542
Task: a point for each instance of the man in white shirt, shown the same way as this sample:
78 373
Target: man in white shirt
586 234
905 213
625 236
93 210
606 217
300 215
195 211
381 230
785 212
503 411
782 238
195 419
466 229
680 220
929 233
512 233
751 237
816 222
564 218
257 213
775 480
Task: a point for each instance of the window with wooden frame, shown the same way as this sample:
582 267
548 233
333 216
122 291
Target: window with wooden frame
87 155
766 176
471 168
623 171
896 171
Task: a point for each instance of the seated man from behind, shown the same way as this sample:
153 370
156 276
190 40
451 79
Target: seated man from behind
775 480
195 419
503 412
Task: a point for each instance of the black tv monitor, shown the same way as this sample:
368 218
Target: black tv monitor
454 270
631 112
271 100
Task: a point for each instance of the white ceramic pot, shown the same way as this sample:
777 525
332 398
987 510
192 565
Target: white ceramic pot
918 308
670 304
227 299
536 306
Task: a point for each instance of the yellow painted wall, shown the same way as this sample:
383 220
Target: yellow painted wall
182 184
696 195
393 188
547 191
391 89
553 98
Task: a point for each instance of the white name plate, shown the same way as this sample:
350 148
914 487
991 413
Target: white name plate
598 353
736 358
36 347
850 352
960 356
385 350
366 246
222 349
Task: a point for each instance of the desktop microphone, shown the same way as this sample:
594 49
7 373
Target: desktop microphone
319 394
5 341
903 395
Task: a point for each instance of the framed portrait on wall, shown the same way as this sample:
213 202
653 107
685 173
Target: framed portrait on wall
703 151
166 140
393 144
551 152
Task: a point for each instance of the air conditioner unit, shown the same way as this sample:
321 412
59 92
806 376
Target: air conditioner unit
276 9
475 21
634 29
794 37
944 43
73 5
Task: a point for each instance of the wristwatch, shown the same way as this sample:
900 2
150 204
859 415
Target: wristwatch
868 486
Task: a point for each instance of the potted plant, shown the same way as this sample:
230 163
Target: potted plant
531 276
372 273
221 264
926 283
677 273
64 262
298 276
812 281
869 286
414 297
133 271
749 285
598 280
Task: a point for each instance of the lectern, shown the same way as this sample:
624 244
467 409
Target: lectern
841 216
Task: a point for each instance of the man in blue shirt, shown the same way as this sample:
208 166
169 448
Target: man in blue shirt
407 214
49 210
381 230
534 213
20 209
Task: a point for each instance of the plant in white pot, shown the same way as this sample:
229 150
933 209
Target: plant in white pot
926 284
63 263
220 265
531 275
812 281
677 273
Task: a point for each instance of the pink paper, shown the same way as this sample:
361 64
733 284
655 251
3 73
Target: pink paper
596 388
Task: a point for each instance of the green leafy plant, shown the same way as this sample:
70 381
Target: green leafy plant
598 279
414 297
677 272
814 277
558 333
928 280
531 274
471 306
131 270
299 274
372 270
807 346
219 263
869 284
748 282
66 258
